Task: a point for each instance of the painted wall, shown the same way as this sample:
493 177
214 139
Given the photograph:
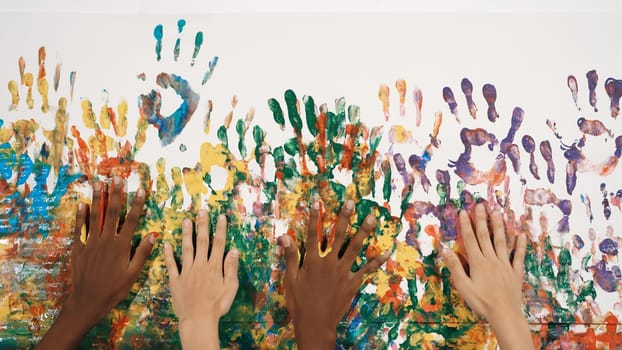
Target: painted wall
415 115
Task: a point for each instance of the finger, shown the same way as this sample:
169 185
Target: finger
498 232
98 205
354 248
171 266
231 273
518 264
481 230
342 225
459 276
142 253
202 237
312 231
218 247
187 251
468 236
77 230
114 208
291 259
372 265
131 221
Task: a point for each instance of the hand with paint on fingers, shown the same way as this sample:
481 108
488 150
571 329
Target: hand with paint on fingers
320 291
203 291
102 270
493 286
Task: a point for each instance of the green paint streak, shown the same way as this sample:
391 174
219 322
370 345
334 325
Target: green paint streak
277 112
291 147
310 114
222 136
354 114
259 137
292 111
386 186
240 128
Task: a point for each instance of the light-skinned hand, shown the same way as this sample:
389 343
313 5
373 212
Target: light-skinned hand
321 290
102 270
202 292
493 286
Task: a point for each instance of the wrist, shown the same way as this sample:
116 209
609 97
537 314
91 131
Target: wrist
512 331
68 328
199 333
315 334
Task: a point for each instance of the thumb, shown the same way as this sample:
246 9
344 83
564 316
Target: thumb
142 253
460 278
291 259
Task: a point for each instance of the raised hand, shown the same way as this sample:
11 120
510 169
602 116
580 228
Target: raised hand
492 288
203 291
102 270
320 291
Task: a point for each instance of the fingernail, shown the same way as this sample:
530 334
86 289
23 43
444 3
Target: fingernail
97 187
387 254
286 241
151 238
316 205
167 246
222 218
80 206
234 253
350 204
442 251
370 220
480 208
116 180
522 238
140 193
202 213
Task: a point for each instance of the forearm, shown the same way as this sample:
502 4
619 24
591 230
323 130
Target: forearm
199 334
513 332
70 326
315 336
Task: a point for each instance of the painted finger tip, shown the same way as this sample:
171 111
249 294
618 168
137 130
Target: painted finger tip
140 193
285 241
81 206
370 220
387 254
522 238
234 253
116 180
316 205
152 237
202 213
167 247
222 218
349 204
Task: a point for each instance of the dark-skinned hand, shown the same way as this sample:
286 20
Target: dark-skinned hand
321 290
102 270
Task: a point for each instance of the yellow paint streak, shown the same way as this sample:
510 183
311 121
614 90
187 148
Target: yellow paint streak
99 144
162 188
24 133
104 117
407 257
141 133
383 95
57 136
120 127
399 134
88 117
28 80
42 86
14 90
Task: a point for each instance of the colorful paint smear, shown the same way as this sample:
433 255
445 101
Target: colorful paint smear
324 151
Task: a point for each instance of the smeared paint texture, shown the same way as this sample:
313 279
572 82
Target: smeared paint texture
325 151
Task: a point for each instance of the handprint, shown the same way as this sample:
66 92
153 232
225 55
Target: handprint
150 104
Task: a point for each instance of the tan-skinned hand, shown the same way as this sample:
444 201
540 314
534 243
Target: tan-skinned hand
321 290
493 287
102 270
201 292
